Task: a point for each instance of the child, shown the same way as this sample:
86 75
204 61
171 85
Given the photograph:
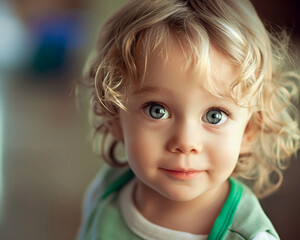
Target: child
196 93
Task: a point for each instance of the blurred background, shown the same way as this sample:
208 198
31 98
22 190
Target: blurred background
46 159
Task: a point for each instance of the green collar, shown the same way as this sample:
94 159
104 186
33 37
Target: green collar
118 184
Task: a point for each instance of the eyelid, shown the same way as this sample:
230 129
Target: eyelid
147 104
227 113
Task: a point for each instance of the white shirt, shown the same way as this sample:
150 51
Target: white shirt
150 231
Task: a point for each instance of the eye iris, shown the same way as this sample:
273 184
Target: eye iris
214 116
157 112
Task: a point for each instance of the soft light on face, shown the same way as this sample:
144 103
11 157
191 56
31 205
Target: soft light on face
180 140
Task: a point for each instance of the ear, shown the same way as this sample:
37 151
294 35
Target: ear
249 136
116 129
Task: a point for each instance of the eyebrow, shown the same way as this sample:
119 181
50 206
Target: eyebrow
153 89
149 90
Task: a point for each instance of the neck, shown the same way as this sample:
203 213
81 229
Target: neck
195 216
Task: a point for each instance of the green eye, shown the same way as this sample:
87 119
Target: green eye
215 117
156 111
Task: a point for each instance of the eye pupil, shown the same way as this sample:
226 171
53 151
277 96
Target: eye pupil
214 116
157 111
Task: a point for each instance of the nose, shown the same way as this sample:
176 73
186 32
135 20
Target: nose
185 139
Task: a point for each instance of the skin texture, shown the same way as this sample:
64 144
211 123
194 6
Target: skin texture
182 161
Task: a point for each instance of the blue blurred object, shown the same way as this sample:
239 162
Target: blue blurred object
56 37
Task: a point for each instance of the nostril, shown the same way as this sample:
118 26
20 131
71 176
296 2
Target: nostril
187 149
178 150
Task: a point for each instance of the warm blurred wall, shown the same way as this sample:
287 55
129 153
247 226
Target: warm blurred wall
282 207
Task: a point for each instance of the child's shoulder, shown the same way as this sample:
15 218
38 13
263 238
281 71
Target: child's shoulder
102 185
249 217
105 178
108 175
107 181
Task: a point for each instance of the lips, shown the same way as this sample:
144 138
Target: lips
182 174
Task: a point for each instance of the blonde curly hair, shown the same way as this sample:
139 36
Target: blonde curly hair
233 27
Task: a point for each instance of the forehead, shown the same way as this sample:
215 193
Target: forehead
213 72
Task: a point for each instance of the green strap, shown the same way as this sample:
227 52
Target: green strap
224 220
118 184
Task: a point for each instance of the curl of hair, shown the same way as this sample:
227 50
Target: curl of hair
233 27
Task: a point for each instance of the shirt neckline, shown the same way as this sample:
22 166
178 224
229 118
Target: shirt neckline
142 227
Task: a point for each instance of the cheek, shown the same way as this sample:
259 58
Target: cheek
140 143
225 150
143 152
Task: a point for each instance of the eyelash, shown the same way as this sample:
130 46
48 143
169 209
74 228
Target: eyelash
227 113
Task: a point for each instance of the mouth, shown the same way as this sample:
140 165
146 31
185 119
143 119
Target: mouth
182 174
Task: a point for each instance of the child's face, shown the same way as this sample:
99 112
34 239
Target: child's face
180 140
